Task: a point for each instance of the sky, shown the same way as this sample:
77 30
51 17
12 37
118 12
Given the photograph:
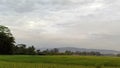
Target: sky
63 23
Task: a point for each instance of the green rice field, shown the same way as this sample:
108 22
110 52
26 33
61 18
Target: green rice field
19 61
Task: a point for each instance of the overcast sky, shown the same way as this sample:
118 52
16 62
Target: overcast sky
63 23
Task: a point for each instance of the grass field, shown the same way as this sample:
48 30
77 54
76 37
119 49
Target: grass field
59 62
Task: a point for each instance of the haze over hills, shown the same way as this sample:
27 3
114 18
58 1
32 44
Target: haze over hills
74 49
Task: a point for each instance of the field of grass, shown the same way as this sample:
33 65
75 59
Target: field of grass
59 62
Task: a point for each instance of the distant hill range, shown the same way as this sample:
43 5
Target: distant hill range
73 49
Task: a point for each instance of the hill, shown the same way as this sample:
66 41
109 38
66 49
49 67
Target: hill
73 49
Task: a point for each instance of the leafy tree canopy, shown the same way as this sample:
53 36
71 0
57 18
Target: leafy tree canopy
6 40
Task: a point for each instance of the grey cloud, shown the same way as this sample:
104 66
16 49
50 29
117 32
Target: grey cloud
18 5
82 23
30 5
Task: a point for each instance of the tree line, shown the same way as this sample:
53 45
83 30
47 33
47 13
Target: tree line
55 51
22 49
8 47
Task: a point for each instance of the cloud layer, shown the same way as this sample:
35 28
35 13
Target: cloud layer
58 23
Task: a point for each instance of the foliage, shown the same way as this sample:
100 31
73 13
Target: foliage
55 51
21 49
6 40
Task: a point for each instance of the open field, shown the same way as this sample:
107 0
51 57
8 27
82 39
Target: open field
59 62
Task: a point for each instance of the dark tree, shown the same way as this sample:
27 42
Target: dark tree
20 49
6 40
38 51
31 50
55 50
68 52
